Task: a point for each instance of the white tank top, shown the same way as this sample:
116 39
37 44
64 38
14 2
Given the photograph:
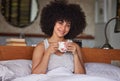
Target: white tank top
65 60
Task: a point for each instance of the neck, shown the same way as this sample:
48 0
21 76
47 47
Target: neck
56 39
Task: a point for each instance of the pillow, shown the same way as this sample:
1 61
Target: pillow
103 70
5 73
20 67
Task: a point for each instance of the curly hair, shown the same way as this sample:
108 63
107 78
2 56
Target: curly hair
61 10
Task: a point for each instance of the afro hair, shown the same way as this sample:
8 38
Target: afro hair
61 10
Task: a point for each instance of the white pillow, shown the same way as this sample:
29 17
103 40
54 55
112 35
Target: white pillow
5 73
103 70
20 67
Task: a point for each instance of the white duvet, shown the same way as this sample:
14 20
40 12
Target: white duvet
61 74
20 70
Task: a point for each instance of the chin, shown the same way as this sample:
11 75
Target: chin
61 35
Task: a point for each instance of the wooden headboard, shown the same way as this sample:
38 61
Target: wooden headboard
89 54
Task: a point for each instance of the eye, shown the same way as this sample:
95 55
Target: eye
68 25
60 22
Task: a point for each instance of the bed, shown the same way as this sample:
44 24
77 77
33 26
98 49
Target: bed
15 65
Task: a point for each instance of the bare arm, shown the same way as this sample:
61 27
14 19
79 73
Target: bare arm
78 62
79 65
41 57
39 60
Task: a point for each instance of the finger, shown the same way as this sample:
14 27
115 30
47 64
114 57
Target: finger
69 47
70 51
56 48
54 45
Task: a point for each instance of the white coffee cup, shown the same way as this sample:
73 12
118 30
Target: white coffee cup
62 47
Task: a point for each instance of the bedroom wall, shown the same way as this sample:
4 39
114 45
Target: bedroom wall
34 28
114 38
88 8
97 30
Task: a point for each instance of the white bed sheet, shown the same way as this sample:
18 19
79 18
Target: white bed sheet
61 74
21 71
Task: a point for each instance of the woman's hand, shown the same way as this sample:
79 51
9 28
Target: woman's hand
53 47
72 47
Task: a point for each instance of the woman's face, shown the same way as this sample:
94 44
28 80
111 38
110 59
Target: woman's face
61 28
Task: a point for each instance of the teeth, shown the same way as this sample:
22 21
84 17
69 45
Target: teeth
61 32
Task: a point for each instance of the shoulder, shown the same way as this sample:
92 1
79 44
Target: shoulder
41 44
38 52
40 47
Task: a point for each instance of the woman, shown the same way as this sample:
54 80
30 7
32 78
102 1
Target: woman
61 22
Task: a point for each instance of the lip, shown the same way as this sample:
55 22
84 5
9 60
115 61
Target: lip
61 32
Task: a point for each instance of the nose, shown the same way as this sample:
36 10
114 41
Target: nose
64 26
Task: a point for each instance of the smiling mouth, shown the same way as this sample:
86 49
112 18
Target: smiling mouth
61 32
